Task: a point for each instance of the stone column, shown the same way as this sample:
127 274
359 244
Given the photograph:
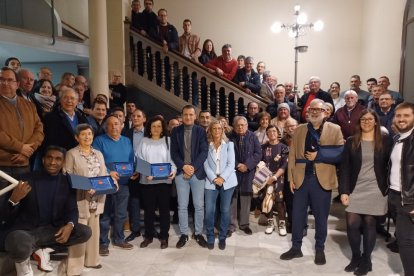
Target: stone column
98 48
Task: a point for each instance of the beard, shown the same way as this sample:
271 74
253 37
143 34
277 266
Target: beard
316 120
404 129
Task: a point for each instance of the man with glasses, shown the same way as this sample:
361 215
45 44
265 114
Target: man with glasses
316 147
21 131
347 116
248 153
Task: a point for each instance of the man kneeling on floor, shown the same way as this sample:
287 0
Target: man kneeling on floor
40 212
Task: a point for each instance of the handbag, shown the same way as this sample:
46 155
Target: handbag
261 177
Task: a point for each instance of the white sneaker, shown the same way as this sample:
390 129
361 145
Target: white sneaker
282 228
24 268
42 257
270 226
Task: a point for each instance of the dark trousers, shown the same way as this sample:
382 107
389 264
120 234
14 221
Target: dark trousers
156 195
404 231
310 194
20 244
134 206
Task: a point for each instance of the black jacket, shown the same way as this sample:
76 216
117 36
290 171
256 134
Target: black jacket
25 215
351 166
407 170
58 131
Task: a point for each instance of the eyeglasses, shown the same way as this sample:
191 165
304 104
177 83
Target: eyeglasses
316 110
7 81
366 120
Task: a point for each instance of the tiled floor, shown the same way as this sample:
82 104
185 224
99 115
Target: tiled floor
245 255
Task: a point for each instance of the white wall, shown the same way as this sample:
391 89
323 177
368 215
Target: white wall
360 36
75 13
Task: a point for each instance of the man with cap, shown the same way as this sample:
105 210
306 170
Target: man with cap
280 97
283 114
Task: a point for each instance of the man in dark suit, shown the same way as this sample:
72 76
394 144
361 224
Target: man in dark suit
248 154
189 149
40 212
59 125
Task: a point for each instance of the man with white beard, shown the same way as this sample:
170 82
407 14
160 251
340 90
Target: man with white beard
316 147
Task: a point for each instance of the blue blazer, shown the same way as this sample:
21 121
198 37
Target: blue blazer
227 163
199 149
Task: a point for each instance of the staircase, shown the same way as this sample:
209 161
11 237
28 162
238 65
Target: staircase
176 81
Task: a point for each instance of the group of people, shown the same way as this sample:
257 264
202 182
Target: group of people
361 140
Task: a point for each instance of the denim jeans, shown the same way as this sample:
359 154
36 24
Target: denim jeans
225 200
116 209
183 193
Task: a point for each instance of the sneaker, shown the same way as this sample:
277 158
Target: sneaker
103 251
24 268
200 240
42 257
182 241
270 226
124 245
282 228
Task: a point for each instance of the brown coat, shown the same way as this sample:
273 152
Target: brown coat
12 137
76 164
326 173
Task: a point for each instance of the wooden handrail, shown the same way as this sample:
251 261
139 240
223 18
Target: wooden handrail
80 34
145 68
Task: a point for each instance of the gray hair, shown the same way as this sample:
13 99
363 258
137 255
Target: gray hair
351 92
238 118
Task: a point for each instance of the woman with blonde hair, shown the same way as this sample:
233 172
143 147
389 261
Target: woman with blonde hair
221 180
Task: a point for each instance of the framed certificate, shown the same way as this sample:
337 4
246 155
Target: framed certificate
101 184
157 170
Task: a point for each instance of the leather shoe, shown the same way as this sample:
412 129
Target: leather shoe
132 236
145 243
103 251
320 257
247 230
291 254
210 246
353 265
364 266
164 244
182 241
229 233
200 240
222 244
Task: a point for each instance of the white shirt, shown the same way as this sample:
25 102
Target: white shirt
217 154
395 174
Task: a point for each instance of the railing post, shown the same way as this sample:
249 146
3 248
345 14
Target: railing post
227 105
163 80
154 68
218 102
208 98
190 88
199 92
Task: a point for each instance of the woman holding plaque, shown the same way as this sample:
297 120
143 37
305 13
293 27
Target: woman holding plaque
155 148
86 161
221 180
362 186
